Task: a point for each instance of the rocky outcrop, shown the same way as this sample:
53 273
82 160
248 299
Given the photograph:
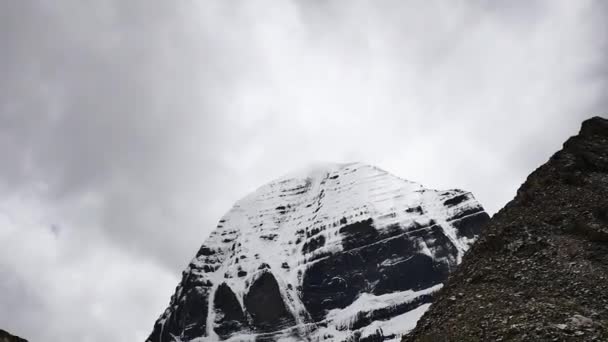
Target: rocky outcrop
342 252
540 269
6 337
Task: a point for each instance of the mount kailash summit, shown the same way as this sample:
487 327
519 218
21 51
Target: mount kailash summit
344 252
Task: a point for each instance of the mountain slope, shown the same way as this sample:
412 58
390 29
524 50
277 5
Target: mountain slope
6 337
540 269
334 253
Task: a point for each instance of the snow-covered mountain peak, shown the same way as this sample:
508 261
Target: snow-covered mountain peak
321 253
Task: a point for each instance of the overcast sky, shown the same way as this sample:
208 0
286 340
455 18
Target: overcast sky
127 128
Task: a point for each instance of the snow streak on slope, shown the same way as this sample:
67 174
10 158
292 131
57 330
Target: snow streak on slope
336 252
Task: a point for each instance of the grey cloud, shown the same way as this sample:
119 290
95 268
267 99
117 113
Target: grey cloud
101 100
135 125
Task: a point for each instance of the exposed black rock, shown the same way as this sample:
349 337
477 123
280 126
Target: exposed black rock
540 269
6 337
229 316
337 280
266 306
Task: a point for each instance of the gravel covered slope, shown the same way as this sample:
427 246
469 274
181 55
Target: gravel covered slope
539 271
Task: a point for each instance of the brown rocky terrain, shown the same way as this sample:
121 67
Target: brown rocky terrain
540 269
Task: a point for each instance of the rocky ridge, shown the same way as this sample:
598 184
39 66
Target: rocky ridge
6 337
539 271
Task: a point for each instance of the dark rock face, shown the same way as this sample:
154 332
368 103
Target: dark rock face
6 337
341 253
229 316
335 281
266 306
540 269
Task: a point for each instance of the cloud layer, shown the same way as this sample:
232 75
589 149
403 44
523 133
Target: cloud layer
128 129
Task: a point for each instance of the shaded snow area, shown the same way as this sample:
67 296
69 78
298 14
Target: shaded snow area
333 253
